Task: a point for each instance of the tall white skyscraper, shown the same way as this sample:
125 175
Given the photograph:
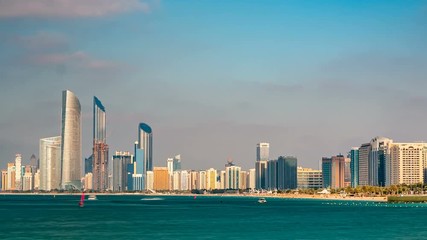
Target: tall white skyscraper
71 147
18 172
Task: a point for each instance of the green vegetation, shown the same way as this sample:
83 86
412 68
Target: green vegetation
414 199
375 191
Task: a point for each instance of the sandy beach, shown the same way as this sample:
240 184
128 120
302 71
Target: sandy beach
282 195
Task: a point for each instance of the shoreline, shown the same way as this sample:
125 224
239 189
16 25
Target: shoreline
283 196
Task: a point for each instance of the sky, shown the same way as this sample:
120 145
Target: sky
214 78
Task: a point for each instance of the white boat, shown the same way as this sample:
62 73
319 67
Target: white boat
262 200
92 197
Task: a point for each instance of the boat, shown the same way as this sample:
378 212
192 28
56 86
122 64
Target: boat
262 200
82 200
92 197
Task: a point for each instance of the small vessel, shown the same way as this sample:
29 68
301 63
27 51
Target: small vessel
92 197
262 200
82 200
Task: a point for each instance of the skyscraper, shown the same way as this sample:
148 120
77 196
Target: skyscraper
354 166
262 151
333 170
18 172
378 160
407 163
287 173
364 152
71 147
50 163
261 174
120 176
232 177
177 163
144 150
100 147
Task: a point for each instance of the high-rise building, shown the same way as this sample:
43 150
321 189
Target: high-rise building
120 167
251 178
407 163
144 150
34 163
333 170
11 176
18 172
50 163
347 172
161 179
309 178
287 173
222 179
184 180
211 176
176 180
170 172
150 180
354 166
4 180
27 179
364 152
232 177
100 147
242 180
177 163
88 180
89 164
378 161
201 183
194 178
261 174
272 180
145 141
71 147
262 151
327 172
37 180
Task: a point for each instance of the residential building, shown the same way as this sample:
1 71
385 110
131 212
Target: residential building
407 163
309 178
161 179
232 177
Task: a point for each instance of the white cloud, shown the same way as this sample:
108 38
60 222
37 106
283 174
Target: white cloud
70 8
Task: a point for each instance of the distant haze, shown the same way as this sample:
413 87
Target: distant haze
214 78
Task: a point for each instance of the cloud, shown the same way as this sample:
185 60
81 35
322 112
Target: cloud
70 8
42 41
79 59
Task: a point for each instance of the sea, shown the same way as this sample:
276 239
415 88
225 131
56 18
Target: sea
206 217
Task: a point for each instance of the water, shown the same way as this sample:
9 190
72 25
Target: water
179 217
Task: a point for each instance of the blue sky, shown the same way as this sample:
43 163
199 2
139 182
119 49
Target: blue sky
213 78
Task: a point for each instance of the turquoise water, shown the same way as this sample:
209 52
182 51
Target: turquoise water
173 217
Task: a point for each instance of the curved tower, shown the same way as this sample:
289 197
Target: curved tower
71 147
145 143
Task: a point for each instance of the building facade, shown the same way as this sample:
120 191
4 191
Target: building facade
71 147
100 147
309 178
50 163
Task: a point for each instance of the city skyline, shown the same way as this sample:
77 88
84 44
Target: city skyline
312 79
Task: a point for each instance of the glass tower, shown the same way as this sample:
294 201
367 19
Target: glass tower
100 147
71 147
